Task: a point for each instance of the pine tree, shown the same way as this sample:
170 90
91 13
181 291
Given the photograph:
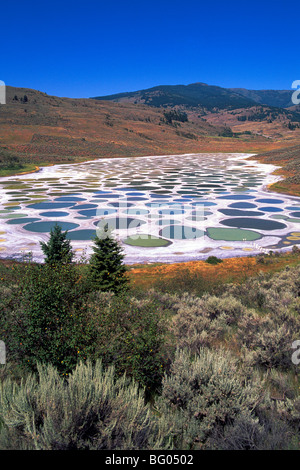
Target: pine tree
58 249
106 268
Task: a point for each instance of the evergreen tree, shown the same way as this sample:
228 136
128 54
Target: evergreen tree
58 249
106 268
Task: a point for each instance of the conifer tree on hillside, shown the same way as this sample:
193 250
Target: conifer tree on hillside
107 271
58 249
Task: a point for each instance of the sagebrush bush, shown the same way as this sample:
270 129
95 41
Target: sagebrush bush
91 410
212 401
263 341
205 392
202 321
267 432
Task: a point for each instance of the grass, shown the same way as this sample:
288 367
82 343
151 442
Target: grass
24 168
199 275
288 160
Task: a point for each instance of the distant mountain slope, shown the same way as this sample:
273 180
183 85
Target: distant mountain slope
190 96
36 129
276 98
203 95
240 109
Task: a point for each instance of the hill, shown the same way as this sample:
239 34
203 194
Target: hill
194 95
205 96
289 161
38 129
262 112
276 98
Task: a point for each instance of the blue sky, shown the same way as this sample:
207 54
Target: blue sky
84 49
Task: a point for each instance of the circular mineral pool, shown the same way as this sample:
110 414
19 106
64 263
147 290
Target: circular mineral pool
270 201
120 223
12 216
270 209
240 213
136 211
70 198
232 234
242 205
137 198
204 203
260 224
181 232
167 222
48 226
84 206
183 200
82 234
102 192
50 205
146 241
294 221
118 204
22 220
279 216
109 196
171 211
237 196
54 214
97 212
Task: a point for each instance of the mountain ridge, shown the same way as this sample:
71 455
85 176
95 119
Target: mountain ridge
204 95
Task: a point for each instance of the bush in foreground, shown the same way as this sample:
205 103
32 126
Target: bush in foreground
90 410
212 402
131 334
48 324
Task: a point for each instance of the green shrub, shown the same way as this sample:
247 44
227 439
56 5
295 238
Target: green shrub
49 323
130 334
205 393
202 322
213 260
264 342
91 410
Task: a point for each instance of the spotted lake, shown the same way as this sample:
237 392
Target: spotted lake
166 208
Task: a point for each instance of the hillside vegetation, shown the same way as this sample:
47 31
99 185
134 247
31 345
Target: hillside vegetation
276 98
262 112
208 366
288 159
37 129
